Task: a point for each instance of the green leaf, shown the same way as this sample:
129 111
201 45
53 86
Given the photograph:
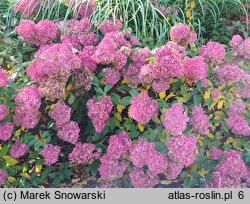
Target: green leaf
216 143
115 98
4 150
224 126
67 173
32 142
107 87
111 124
125 100
99 90
95 81
71 99
10 159
46 172
134 92
199 85
176 86
197 99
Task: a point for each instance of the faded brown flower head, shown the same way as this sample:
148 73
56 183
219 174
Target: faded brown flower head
83 81
54 87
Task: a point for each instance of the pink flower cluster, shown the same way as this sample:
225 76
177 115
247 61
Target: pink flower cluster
50 153
3 175
236 120
160 85
99 110
77 33
60 113
241 47
236 106
168 61
236 41
6 131
228 172
51 60
28 101
144 153
199 121
140 179
115 162
174 169
195 69
86 60
112 76
110 26
229 73
67 130
3 111
216 93
182 34
109 50
18 149
51 68
138 58
215 153
182 149
213 53
71 41
121 154
4 79
119 145
84 153
242 87
166 65
239 125
143 108
175 119
112 166
39 34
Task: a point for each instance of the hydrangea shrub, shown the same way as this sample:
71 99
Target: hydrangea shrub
97 101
